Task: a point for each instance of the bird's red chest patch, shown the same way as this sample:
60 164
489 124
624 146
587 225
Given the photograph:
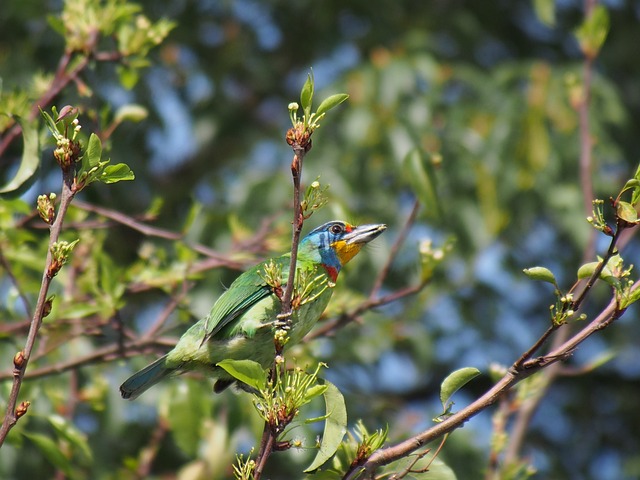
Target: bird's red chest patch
332 272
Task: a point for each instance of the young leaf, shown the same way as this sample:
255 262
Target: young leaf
335 426
625 211
30 160
593 31
306 95
247 371
586 270
540 273
116 173
331 102
419 172
91 157
455 381
77 440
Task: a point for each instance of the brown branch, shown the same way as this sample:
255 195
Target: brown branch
395 248
344 319
105 354
11 415
514 375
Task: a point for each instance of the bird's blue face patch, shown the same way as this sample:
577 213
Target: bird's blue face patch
327 239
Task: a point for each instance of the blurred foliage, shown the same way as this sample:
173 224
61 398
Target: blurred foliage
468 106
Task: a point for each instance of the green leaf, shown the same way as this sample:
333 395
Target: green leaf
184 406
116 173
331 102
28 164
51 451
306 95
132 113
625 211
128 76
313 392
246 371
546 11
335 426
593 31
75 437
540 273
425 468
419 172
93 153
586 270
455 381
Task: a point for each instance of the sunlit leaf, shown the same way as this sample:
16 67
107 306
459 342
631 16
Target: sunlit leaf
626 212
540 273
246 371
335 425
75 437
592 33
331 102
306 95
586 270
455 381
92 155
30 160
116 173
546 11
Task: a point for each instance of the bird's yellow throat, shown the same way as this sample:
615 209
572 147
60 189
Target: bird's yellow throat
346 251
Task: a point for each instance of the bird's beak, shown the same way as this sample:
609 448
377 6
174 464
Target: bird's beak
364 234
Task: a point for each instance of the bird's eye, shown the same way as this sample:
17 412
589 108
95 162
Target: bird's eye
336 229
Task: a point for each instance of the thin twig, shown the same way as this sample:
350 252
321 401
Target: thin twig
511 378
105 354
11 418
400 239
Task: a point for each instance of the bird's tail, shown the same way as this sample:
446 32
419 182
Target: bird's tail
139 382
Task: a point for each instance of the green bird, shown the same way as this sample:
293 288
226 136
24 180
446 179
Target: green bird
241 323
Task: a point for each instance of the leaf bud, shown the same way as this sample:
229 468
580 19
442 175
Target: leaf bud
22 409
19 360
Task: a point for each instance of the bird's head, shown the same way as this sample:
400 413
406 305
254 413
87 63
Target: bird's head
335 243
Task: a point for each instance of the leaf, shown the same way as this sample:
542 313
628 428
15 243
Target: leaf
306 95
420 174
593 31
93 153
425 468
116 173
313 392
455 381
184 406
335 426
331 102
132 113
586 270
540 273
545 10
30 160
246 371
51 451
75 437
625 211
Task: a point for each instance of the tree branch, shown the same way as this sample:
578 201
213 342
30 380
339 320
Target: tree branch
514 375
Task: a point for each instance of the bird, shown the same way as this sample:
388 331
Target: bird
243 320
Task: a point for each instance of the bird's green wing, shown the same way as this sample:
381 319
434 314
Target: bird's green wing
247 290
